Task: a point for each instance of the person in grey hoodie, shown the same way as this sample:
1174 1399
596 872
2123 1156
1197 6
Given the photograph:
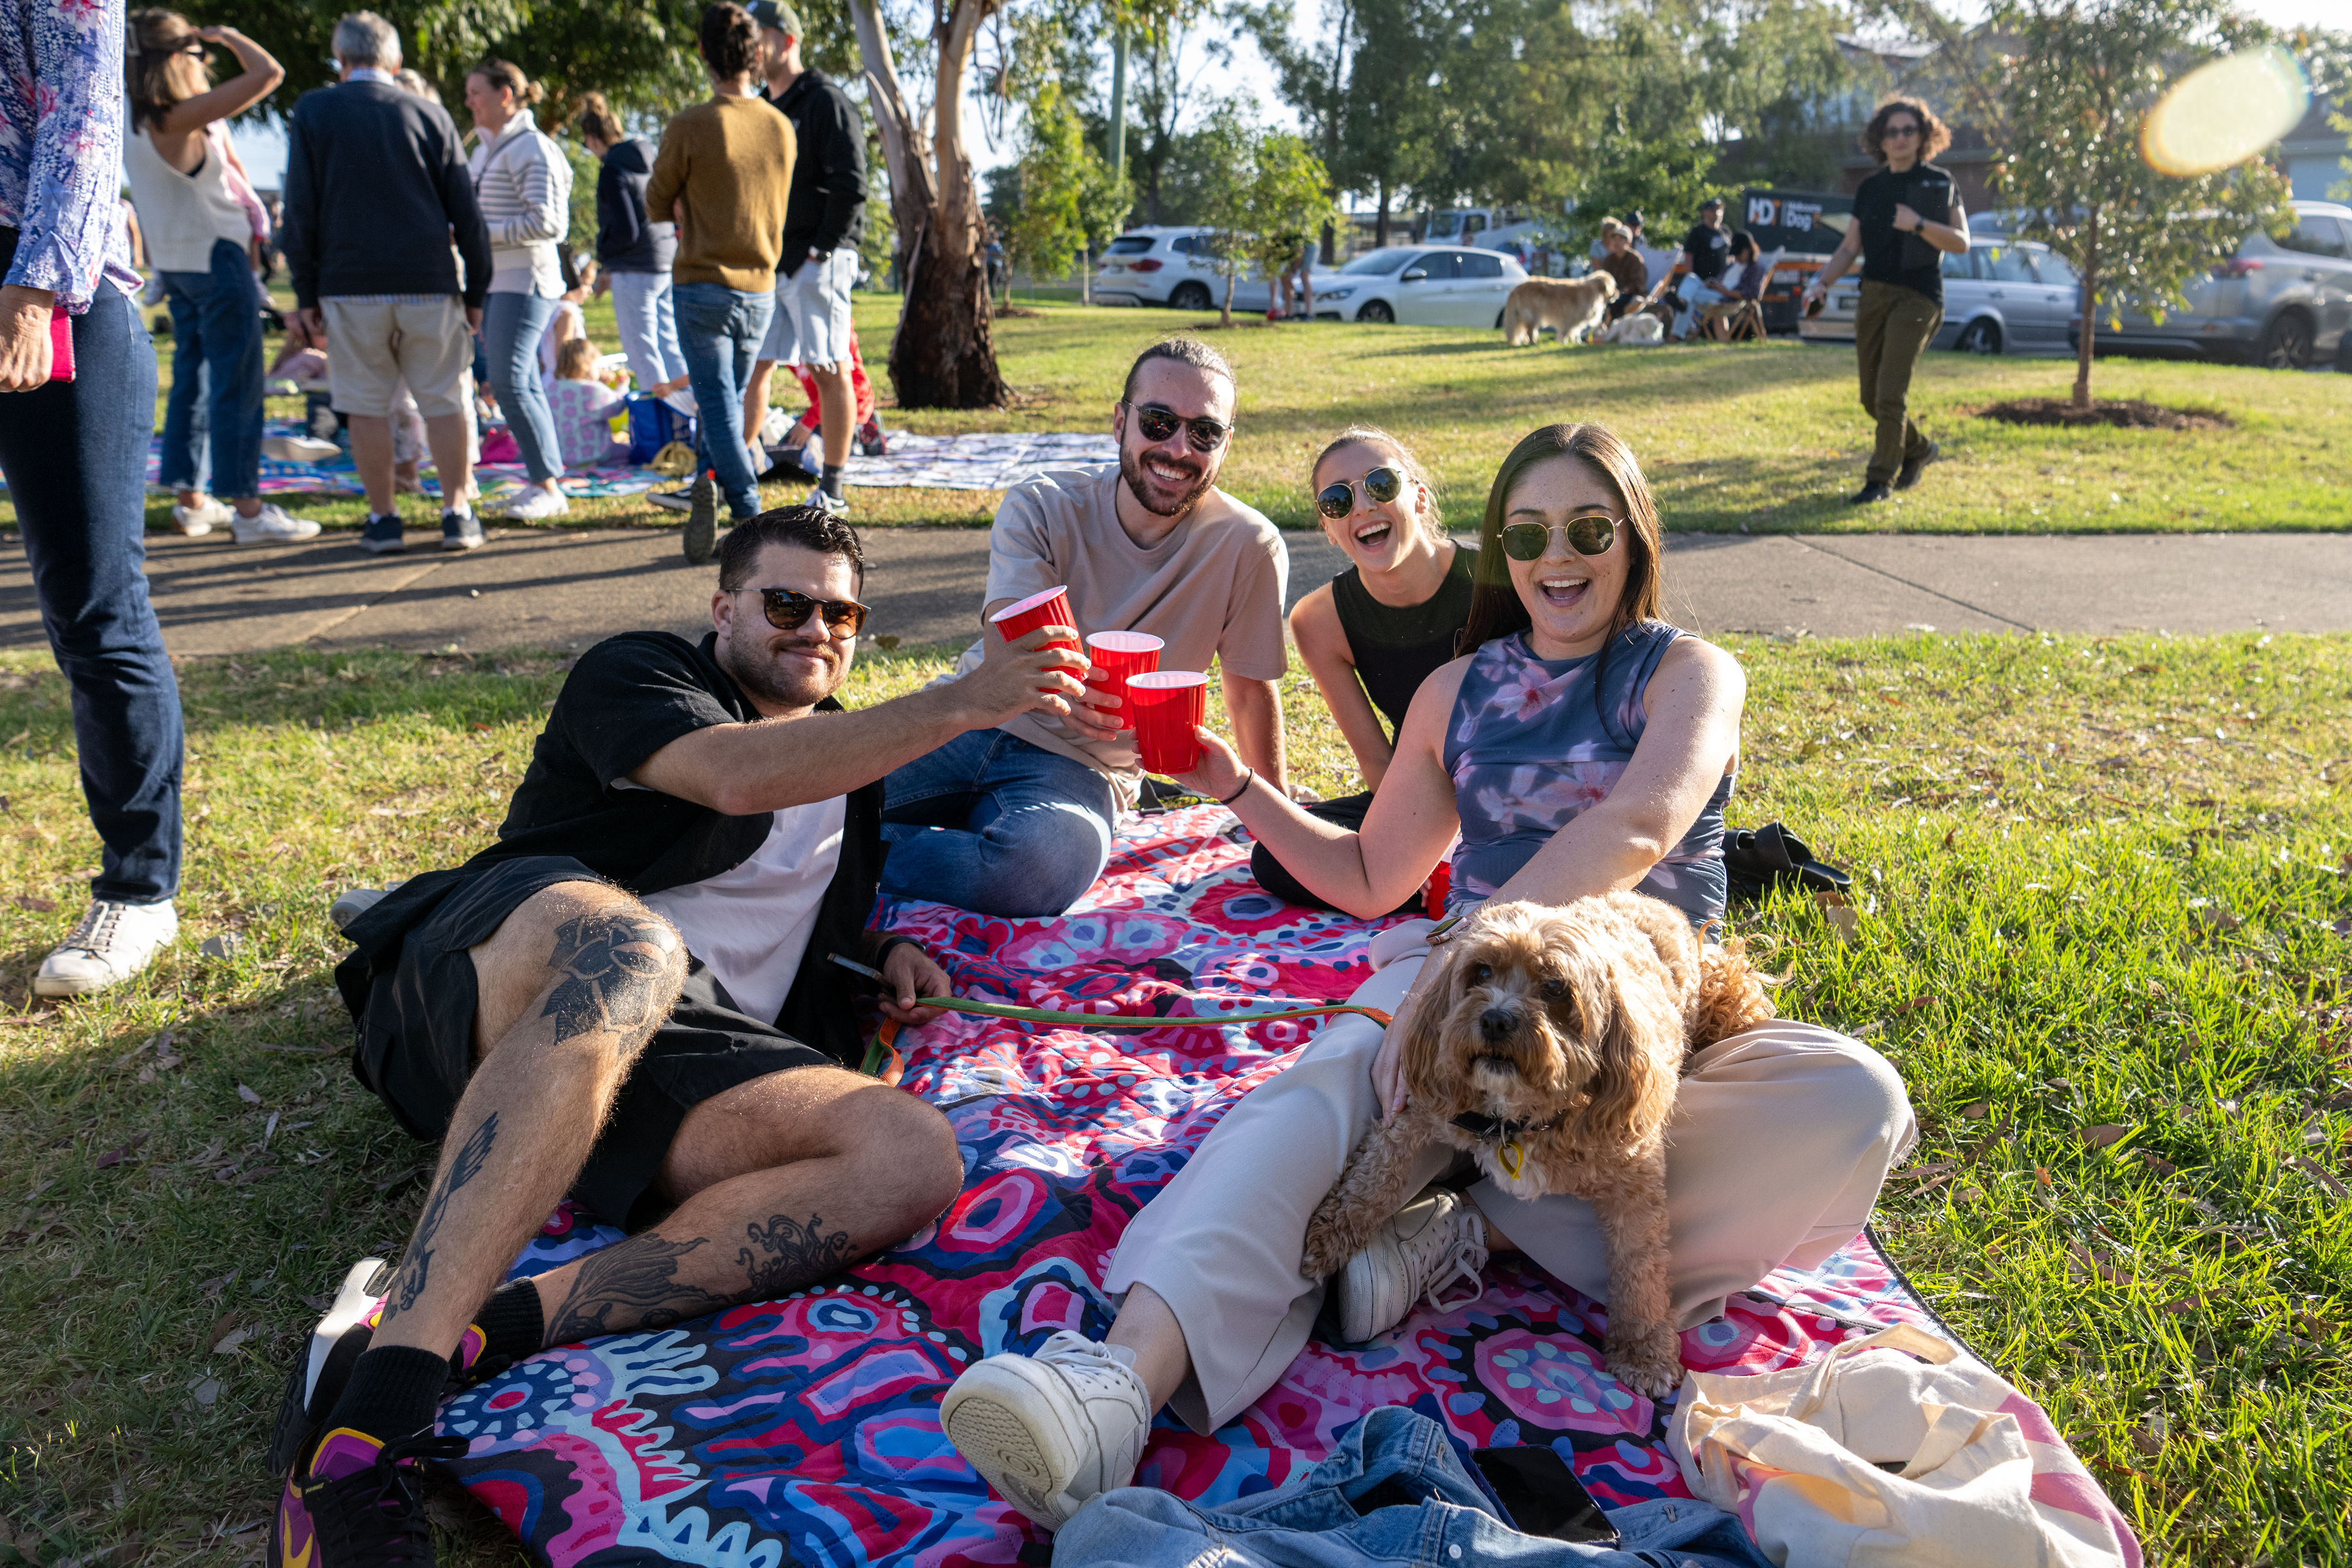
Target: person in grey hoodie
524 184
636 251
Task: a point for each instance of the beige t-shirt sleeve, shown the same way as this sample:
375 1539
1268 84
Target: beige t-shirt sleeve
1020 548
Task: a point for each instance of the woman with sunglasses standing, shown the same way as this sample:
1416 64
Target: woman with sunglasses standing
1375 631
1583 746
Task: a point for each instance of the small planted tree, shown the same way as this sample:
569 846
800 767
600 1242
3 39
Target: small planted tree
1263 187
2079 87
1068 195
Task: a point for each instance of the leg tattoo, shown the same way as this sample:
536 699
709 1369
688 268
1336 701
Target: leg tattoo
631 1285
471 1157
612 964
794 1255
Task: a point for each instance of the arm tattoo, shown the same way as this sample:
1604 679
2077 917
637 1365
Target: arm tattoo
472 1155
631 1285
612 965
794 1255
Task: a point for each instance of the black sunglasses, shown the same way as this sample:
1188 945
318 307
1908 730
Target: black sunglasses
789 612
1590 535
1905 129
1159 423
1380 485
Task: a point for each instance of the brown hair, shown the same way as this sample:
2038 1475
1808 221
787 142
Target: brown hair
576 360
1934 135
1183 351
1373 436
596 118
155 38
810 528
729 40
1495 609
506 74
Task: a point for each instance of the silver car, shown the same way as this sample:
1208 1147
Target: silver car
1421 286
2282 303
2001 296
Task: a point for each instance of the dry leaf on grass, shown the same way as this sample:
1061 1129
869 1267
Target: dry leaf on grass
229 1342
2321 1175
2102 1135
247 1095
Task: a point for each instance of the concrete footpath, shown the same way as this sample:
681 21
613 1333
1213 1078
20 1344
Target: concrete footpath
566 589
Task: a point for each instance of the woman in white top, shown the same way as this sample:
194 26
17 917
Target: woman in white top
199 217
524 185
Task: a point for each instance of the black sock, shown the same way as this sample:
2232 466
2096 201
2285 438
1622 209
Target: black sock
830 481
512 1324
394 1391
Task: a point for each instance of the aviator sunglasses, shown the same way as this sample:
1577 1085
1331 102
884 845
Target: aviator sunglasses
1159 423
789 612
1336 501
1590 535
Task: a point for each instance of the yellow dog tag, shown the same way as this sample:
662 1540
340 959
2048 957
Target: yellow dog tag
1512 1157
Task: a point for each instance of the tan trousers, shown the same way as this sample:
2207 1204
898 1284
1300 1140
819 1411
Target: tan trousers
1779 1140
1891 328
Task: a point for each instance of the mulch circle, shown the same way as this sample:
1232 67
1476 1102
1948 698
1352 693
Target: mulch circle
2125 414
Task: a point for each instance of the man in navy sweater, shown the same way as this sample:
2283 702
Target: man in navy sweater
376 189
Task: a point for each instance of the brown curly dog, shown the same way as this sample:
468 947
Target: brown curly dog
1547 1042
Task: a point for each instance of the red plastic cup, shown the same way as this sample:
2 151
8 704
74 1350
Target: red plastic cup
1167 705
1050 609
1117 656
1435 891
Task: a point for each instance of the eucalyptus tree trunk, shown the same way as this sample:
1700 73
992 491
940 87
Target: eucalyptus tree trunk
942 355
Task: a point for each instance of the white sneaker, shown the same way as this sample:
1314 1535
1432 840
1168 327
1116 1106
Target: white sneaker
1051 1431
112 942
1436 1240
299 449
270 525
535 503
201 519
831 505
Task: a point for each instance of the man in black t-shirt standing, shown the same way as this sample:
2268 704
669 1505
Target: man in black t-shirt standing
1706 250
824 217
630 998
1906 219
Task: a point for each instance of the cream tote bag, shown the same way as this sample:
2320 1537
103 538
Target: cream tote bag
1980 1478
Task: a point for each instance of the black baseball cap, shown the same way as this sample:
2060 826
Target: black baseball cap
1710 202
776 14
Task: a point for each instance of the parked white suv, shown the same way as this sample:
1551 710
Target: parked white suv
1178 268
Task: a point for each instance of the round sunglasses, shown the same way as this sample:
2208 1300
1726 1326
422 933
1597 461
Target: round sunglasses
1589 535
1381 486
789 612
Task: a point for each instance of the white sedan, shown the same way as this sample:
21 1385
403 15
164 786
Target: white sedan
1422 286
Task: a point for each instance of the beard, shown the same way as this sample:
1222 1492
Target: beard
1141 480
755 669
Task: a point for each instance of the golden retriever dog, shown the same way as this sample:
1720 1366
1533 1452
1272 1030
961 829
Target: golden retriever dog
1548 1042
1570 307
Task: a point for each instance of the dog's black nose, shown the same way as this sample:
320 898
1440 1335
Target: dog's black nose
1497 1023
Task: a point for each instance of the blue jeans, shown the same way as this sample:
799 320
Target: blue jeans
648 332
76 456
991 824
512 325
720 331
216 330
1419 1506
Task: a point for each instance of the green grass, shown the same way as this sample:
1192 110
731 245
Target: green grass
1764 437
2100 883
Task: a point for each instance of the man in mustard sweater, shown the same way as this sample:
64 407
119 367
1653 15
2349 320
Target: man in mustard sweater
723 172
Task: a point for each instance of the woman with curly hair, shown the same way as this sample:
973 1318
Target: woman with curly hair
1907 218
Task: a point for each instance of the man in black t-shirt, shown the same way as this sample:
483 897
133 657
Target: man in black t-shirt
1706 250
629 998
1906 219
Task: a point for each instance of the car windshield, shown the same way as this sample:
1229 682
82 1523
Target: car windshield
1378 263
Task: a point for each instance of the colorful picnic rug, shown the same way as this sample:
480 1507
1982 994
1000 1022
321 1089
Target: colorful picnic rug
985 461
807 1429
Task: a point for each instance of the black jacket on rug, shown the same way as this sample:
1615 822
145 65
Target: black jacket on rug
826 207
376 186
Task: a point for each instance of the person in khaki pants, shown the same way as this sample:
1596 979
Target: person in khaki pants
1906 219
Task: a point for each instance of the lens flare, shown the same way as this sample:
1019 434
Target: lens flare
2224 112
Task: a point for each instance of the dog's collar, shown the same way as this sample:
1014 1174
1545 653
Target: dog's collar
1493 1129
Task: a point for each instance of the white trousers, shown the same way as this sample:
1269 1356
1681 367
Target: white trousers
1779 1140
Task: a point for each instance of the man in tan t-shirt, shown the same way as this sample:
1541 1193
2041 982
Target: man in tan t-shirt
723 172
1017 820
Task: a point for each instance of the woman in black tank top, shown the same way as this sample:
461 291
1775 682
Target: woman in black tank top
1374 632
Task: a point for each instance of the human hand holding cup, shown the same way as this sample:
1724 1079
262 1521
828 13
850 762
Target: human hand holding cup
1049 609
1169 705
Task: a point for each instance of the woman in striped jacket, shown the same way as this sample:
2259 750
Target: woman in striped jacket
524 185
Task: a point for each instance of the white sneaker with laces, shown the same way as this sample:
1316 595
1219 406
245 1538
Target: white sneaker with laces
535 503
831 505
270 525
1435 1241
201 519
112 942
1052 1431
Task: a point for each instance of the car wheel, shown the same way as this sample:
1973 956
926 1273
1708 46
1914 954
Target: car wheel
2286 343
1498 320
1190 296
1981 336
1376 311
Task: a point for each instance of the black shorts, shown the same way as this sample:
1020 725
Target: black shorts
415 1045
